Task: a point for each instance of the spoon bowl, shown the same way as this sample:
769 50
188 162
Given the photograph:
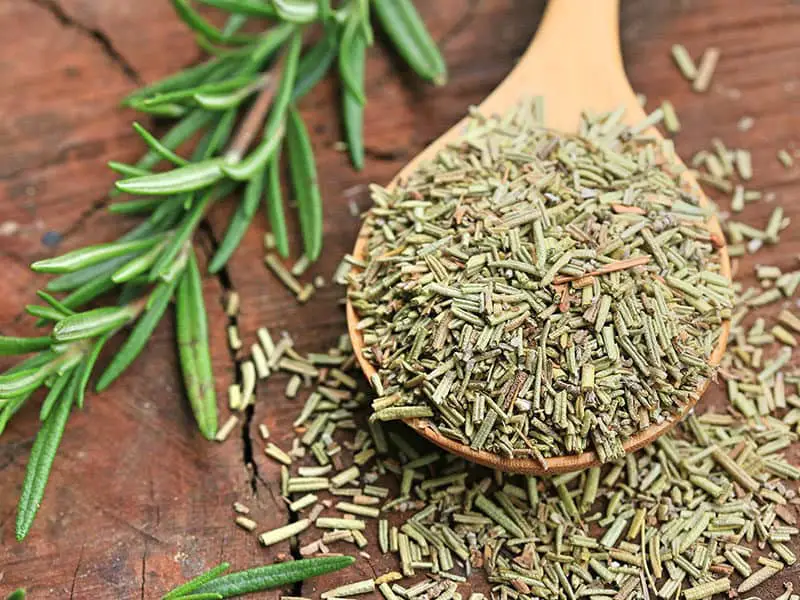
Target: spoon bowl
575 64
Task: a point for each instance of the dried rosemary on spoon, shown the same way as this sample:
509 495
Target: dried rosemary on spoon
537 294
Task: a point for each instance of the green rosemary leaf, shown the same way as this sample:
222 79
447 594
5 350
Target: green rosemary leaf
288 77
273 199
303 171
202 596
126 169
296 11
192 336
232 83
351 45
216 137
315 63
165 110
240 221
137 265
64 310
84 371
18 382
325 11
402 23
366 30
272 576
257 159
180 80
44 313
91 255
273 129
41 461
92 323
158 147
37 360
167 215
88 292
254 8
175 269
270 42
352 107
197 23
233 24
226 52
157 304
190 178
10 345
180 132
9 409
54 393
191 585
133 290
187 227
135 207
12 405
93 288
72 281
225 100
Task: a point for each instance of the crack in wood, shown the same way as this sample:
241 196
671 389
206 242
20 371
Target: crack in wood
99 37
144 565
146 537
87 214
227 286
75 575
248 457
386 155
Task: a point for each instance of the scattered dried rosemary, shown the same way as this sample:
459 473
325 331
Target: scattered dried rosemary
706 509
539 294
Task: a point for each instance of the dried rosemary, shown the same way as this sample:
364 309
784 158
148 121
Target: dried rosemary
538 294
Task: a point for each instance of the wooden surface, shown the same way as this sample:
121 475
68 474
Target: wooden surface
138 501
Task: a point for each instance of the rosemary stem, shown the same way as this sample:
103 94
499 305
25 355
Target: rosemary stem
255 117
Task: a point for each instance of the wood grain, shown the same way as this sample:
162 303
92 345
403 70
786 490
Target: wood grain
138 501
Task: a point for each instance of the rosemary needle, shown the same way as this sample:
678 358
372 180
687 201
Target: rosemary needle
272 576
193 350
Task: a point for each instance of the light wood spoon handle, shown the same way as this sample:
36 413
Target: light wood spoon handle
574 63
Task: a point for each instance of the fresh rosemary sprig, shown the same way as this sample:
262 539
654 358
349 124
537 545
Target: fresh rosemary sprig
241 104
213 584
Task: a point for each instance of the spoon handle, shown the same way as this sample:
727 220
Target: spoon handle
574 63
579 32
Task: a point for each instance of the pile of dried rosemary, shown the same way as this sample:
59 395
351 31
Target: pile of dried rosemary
538 294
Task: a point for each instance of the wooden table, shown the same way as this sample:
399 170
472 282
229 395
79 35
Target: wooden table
138 501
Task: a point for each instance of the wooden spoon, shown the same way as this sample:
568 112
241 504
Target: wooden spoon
575 63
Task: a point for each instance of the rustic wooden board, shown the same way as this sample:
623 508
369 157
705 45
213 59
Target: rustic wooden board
138 501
